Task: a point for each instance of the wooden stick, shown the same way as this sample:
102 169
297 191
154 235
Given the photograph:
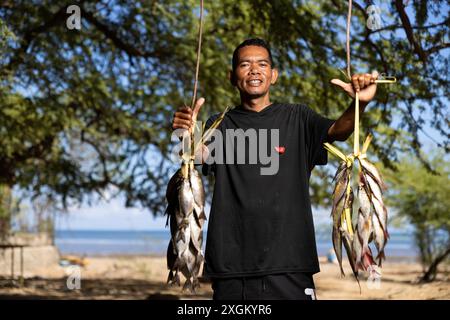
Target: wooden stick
385 81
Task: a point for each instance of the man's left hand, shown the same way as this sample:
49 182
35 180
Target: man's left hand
363 83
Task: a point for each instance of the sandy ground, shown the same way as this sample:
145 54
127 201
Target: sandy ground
138 277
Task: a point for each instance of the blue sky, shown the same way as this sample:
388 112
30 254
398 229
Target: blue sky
111 215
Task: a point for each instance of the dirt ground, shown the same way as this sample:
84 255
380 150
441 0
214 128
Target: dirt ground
138 277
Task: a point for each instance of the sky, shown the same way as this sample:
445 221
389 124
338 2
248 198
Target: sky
110 215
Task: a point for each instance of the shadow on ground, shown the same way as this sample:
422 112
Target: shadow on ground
40 288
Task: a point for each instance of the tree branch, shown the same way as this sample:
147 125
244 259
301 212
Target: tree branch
437 48
409 31
30 34
394 27
112 35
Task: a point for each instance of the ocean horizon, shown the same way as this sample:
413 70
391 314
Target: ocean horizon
155 242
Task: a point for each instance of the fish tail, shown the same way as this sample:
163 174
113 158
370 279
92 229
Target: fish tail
195 241
367 258
173 279
202 215
188 286
168 217
351 257
195 284
337 244
359 284
170 277
380 257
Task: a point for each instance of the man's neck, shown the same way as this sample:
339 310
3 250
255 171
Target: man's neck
256 104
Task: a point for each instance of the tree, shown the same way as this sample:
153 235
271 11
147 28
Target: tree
90 109
422 198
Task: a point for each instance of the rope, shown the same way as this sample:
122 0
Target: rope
199 48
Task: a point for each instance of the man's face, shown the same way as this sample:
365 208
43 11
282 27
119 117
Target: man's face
253 74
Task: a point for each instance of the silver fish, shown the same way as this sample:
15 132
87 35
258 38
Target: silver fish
186 199
199 196
351 253
185 210
377 201
373 171
379 238
339 201
364 227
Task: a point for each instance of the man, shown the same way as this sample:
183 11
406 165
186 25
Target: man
260 242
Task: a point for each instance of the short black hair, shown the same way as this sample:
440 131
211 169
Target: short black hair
251 42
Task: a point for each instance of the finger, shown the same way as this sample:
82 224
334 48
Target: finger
339 83
185 124
180 125
347 87
361 81
183 121
367 78
185 109
183 115
374 76
355 82
197 107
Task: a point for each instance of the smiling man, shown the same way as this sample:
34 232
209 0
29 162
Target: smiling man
260 242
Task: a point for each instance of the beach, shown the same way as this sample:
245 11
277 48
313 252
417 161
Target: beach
144 277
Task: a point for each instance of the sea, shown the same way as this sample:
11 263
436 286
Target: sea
154 242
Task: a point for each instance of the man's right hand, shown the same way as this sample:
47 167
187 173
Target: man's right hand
185 117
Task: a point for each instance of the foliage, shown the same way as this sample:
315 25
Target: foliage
90 109
422 198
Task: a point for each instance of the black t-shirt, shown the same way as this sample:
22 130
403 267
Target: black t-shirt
262 223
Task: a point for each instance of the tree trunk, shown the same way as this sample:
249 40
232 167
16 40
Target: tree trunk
430 274
5 211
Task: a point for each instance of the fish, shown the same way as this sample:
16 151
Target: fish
364 227
368 167
357 229
379 219
337 237
339 200
198 193
185 215
357 251
186 199
351 254
379 238
364 230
